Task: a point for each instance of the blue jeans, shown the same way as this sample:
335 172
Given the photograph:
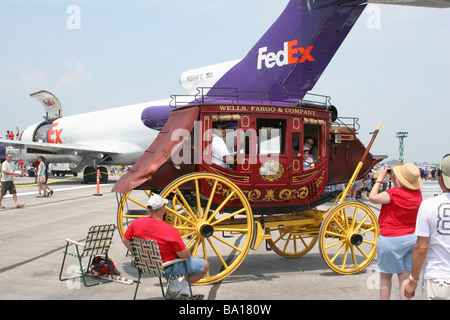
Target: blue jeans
195 266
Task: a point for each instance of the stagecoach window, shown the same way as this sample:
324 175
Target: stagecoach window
313 131
296 143
271 133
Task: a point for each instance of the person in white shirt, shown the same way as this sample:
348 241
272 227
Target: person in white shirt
219 153
8 175
431 253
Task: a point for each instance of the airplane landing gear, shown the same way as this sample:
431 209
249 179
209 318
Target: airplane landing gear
90 175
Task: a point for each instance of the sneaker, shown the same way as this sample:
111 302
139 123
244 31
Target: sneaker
172 293
185 294
175 287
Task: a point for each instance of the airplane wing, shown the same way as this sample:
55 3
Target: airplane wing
72 149
416 3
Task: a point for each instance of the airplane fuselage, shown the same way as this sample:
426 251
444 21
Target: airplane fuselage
118 136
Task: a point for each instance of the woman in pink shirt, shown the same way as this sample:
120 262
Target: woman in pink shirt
397 219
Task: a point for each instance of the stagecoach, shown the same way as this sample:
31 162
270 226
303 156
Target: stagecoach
267 193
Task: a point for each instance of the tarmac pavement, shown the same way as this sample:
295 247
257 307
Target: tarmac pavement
32 242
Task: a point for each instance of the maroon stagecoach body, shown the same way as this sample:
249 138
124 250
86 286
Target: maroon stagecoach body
267 141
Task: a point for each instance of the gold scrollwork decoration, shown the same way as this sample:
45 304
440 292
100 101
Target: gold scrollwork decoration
271 170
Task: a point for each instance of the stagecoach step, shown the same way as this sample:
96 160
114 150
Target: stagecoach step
269 247
137 212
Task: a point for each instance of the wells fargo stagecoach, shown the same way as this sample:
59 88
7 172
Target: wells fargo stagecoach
266 193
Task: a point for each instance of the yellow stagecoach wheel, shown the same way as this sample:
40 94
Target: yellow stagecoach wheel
348 237
131 206
212 230
291 243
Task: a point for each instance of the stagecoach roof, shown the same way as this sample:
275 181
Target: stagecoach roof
156 155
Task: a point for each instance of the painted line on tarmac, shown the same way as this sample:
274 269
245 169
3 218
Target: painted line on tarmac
29 193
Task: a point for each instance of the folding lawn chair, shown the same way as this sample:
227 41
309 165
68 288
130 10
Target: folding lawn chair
98 242
148 260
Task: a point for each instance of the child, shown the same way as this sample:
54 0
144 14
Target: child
308 163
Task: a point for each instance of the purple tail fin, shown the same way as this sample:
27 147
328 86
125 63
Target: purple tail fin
294 52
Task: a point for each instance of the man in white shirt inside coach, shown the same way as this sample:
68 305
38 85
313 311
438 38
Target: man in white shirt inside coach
220 154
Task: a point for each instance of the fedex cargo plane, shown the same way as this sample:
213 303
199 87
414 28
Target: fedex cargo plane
284 64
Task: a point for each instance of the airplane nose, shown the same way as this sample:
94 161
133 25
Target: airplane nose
155 117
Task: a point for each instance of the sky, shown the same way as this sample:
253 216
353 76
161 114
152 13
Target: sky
393 68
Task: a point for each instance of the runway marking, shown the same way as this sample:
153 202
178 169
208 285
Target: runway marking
29 193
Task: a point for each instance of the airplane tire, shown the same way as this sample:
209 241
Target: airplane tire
89 175
103 175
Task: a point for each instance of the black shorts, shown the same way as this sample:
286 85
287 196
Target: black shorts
8 186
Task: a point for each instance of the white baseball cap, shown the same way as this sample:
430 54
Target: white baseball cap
156 202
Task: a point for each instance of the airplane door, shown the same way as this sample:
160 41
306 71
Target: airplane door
52 106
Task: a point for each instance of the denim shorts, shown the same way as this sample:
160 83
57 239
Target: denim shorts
195 266
395 253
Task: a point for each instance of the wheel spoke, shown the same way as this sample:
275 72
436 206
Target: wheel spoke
178 215
229 216
224 264
227 243
339 225
211 196
187 208
221 206
137 202
334 243
197 193
338 252
362 221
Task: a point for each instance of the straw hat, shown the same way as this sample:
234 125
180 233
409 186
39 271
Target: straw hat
408 175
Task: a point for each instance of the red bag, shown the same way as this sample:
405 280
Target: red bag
99 266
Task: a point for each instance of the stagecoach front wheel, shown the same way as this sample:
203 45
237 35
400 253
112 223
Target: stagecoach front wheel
214 218
348 237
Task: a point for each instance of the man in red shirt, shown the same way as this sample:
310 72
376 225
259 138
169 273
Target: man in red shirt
170 244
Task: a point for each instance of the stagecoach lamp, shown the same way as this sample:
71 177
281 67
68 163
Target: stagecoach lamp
337 137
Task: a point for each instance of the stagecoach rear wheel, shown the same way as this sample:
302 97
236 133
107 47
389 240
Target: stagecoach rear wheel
348 237
291 243
211 228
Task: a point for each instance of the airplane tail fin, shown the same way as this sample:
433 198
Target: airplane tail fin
293 53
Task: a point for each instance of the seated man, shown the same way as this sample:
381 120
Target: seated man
170 244
220 154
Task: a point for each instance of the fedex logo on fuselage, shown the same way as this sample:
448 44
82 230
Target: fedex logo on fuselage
290 54
54 134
